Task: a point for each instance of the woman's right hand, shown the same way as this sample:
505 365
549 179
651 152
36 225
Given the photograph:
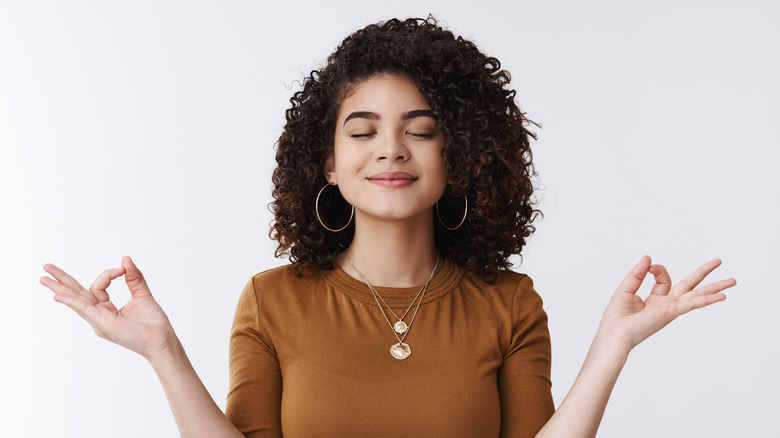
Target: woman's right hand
141 325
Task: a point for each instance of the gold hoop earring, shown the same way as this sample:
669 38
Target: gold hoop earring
317 210
465 212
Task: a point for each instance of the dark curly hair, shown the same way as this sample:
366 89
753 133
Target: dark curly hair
487 148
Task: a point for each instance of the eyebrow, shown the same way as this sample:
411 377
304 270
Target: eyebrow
362 115
374 116
417 113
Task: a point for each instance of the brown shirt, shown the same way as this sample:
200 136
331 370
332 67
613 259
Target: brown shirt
310 357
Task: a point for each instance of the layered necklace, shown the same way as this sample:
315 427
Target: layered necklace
400 329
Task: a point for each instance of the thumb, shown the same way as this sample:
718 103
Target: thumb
134 279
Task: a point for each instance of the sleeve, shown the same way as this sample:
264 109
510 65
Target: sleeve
524 377
255 395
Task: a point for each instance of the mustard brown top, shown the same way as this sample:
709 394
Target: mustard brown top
310 357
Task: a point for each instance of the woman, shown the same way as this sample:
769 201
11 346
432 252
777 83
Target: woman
403 186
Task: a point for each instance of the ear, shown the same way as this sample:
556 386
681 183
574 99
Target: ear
330 170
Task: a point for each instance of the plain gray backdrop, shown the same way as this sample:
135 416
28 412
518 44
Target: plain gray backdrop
147 128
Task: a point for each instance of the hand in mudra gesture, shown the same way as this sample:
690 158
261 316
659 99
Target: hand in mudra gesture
630 320
141 325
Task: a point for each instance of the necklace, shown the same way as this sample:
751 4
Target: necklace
400 329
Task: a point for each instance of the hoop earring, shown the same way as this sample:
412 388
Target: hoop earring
317 210
465 212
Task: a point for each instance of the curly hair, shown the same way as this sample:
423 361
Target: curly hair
487 148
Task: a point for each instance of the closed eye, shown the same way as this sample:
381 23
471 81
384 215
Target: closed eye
420 135
362 135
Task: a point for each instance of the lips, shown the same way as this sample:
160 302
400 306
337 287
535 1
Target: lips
392 176
392 179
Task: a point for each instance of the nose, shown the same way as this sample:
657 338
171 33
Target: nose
393 149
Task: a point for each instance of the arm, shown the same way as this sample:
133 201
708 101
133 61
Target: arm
524 377
627 321
143 327
254 402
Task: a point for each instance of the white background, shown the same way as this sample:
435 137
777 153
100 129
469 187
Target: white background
147 128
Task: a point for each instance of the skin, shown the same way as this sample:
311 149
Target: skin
393 246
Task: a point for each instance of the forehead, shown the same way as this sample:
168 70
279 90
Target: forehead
386 93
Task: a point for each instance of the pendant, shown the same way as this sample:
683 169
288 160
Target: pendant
400 327
400 351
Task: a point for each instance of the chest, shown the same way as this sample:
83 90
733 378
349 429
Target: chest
339 378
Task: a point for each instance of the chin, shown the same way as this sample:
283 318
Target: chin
399 213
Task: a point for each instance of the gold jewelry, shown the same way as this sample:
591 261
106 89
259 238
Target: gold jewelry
400 350
465 212
317 210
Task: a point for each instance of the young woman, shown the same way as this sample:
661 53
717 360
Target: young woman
403 186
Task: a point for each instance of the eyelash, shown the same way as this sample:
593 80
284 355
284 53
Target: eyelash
425 136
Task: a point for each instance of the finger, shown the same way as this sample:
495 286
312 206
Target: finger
663 282
635 277
135 280
101 283
81 305
703 301
63 277
713 288
57 287
695 277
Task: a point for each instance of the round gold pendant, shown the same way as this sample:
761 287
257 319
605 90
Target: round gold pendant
400 327
401 351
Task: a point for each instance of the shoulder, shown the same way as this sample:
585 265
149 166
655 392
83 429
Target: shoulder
510 284
284 277
276 289
284 285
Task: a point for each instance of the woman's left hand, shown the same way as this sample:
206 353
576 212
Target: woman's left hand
630 320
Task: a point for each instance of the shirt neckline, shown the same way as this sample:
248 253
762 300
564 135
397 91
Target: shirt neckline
441 284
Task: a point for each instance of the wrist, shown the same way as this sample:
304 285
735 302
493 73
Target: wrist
614 348
169 354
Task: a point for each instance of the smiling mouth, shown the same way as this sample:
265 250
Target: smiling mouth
392 179
389 176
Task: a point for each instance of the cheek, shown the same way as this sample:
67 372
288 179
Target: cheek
347 165
439 168
439 163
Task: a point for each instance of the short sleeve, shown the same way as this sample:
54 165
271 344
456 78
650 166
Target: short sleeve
524 383
255 394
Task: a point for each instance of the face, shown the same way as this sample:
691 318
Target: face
388 150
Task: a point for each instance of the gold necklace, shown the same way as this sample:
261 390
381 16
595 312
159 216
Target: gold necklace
400 350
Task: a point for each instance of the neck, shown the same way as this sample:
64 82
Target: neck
392 253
